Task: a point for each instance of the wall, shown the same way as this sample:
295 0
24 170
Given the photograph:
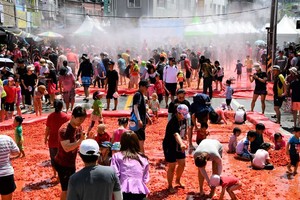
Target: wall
121 8
8 9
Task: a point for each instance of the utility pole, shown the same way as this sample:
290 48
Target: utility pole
273 31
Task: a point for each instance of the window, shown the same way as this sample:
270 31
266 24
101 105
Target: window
134 3
161 3
187 4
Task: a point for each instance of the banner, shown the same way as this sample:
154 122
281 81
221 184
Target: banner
7 14
36 19
22 18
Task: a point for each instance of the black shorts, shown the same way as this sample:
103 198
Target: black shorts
52 152
228 102
22 89
9 106
2 102
200 75
110 93
278 101
188 74
160 97
141 134
131 196
172 88
220 78
64 174
172 155
294 159
7 185
260 92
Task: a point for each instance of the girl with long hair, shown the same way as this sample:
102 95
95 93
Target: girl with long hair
132 167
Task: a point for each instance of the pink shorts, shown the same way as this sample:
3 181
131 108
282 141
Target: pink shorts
295 105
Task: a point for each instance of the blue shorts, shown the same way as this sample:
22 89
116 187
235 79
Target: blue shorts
86 81
245 155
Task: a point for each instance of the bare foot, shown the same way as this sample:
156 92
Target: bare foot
295 173
178 184
289 170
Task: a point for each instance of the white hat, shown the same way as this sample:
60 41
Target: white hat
30 67
89 147
293 70
214 180
241 107
184 110
257 66
275 67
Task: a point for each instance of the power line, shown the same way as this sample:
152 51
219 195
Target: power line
16 17
153 17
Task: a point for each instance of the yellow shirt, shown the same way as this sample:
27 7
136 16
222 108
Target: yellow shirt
3 93
282 80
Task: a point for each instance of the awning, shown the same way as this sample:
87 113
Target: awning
20 33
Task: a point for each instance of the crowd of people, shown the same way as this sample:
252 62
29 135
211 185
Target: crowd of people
119 166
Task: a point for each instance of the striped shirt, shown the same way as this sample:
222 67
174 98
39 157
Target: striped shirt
7 146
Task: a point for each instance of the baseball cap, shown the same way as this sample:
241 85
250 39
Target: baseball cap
214 180
116 146
84 56
180 91
106 144
89 147
275 67
144 83
184 110
257 66
143 63
111 62
97 93
42 61
171 59
296 129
